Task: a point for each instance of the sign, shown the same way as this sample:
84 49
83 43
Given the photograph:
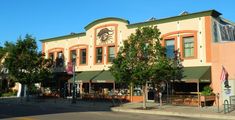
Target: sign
105 34
69 68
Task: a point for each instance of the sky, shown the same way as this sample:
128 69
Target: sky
52 18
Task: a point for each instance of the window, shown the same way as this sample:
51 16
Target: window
51 56
60 54
170 47
111 53
83 56
73 56
188 47
99 54
60 59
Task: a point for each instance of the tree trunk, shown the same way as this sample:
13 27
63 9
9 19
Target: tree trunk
131 93
144 87
24 90
27 92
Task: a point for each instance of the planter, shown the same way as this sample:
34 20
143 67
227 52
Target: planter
208 98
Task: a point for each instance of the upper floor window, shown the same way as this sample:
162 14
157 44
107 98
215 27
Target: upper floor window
60 54
83 56
60 59
111 53
99 55
170 48
188 46
73 56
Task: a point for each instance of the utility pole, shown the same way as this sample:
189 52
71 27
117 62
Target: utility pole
74 92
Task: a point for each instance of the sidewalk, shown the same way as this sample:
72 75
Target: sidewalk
170 110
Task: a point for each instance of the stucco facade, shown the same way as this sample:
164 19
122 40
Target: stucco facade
190 27
195 25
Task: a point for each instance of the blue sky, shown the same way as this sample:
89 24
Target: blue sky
51 18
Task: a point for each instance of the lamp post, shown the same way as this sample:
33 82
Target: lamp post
74 92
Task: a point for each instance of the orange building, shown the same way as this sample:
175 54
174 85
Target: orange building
205 41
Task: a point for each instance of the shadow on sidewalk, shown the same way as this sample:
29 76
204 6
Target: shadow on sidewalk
18 107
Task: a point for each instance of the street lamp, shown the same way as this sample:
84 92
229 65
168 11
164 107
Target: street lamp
73 95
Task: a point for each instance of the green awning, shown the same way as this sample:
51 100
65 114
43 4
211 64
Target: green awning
190 74
195 74
94 76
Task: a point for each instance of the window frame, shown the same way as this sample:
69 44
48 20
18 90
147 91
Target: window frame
102 55
107 55
194 45
171 38
188 46
80 56
70 56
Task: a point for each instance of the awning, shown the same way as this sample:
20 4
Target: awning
195 74
94 77
190 75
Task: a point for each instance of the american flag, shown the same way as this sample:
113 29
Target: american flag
224 75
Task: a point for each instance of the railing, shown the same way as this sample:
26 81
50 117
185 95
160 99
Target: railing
115 99
232 102
190 100
226 106
229 105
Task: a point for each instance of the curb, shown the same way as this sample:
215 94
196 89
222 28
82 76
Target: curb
118 109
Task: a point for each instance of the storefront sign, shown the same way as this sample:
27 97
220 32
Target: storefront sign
69 68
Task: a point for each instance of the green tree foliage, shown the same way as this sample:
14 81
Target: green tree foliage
142 59
25 64
2 52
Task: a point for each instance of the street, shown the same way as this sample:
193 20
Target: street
38 111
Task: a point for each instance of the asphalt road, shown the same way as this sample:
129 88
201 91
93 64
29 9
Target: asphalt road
36 111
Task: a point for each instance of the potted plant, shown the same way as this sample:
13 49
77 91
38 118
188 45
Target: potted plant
207 94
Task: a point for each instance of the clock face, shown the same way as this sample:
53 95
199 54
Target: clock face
105 34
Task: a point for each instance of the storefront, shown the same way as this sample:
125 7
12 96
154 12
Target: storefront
193 34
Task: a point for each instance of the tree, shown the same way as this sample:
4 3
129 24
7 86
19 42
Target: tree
5 82
2 52
142 59
25 64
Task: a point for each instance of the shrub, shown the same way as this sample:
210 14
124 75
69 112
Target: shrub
8 94
207 90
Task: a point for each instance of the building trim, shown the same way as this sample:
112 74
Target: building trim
177 33
170 38
208 34
90 25
64 37
77 48
213 13
54 50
